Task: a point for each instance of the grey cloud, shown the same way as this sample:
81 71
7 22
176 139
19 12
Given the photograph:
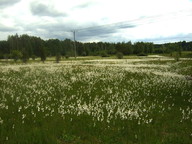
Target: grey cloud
6 29
60 36
44 10
175 38
58 27
102 31
97 32
124 26
6 3
84 5
62 30
94 33
58 30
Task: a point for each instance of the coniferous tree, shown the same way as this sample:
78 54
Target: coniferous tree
42 54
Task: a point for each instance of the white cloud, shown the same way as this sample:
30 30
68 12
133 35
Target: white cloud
152 19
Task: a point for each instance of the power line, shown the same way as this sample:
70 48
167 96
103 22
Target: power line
139 21
112 27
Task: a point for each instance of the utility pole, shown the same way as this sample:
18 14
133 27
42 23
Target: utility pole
74 44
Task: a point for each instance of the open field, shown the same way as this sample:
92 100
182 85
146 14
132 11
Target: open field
97 101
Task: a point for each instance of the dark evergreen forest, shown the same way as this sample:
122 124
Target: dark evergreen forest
25 46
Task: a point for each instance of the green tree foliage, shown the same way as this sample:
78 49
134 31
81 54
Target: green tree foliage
13 42
125 48
15 54
42 54
111 49
25 55
53 47
4 49
66 47
139 47
104 54
149 47
26 45
80 49
31 46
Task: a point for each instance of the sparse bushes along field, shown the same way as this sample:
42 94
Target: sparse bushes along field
100 102
119 55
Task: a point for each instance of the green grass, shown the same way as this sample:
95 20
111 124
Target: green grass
184 54
119 102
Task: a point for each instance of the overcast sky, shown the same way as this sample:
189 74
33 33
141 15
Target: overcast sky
155 21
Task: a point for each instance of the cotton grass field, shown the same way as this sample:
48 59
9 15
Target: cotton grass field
105 101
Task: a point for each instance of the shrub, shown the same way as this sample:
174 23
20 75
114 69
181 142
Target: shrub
176 57
15 54
33 57
119 55
67 56
25 56
6 56
84 54
58 58
142 54
104 54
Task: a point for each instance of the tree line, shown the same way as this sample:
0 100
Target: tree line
25 47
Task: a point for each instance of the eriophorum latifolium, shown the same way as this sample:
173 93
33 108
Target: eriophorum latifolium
96 101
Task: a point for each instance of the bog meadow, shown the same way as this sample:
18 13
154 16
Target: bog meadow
131 97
